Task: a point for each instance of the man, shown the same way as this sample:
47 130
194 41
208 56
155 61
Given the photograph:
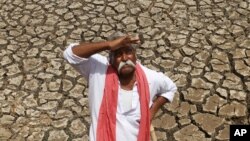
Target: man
123 96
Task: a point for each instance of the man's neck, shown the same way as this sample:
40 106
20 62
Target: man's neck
127 82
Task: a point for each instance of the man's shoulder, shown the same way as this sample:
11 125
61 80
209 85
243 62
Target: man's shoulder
147 70
152 75
99 58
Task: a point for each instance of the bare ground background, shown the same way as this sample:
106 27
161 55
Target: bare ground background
203 45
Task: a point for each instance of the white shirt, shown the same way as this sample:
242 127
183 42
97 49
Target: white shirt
127 123
125 100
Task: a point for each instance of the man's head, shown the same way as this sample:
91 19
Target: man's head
124 58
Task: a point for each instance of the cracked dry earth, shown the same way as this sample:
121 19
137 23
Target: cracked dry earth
203 45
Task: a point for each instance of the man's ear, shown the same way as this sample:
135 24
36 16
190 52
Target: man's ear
110 62
111 58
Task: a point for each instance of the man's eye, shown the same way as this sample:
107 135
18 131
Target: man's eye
118 54
129 51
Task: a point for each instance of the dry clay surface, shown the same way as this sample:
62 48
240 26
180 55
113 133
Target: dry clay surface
203 45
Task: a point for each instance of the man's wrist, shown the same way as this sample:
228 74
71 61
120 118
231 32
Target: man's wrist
108 45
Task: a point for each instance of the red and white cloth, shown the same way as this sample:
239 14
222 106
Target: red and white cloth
94 70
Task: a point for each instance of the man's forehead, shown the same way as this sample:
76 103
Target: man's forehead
124 48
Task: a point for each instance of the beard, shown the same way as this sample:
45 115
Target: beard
122 64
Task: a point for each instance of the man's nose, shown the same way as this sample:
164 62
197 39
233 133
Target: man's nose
124 56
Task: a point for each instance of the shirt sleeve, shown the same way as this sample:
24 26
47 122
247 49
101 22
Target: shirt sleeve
83 65
166 87
161 84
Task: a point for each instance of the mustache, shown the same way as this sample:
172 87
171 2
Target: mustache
122 63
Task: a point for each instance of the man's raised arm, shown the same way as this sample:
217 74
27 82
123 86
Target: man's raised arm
85 50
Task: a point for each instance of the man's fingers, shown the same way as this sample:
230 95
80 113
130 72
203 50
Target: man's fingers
134 39
126 40
138 42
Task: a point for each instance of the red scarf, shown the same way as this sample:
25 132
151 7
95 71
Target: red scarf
106 126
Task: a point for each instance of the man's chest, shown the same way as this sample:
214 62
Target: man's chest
128 102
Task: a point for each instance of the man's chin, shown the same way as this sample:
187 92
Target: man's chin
127 71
